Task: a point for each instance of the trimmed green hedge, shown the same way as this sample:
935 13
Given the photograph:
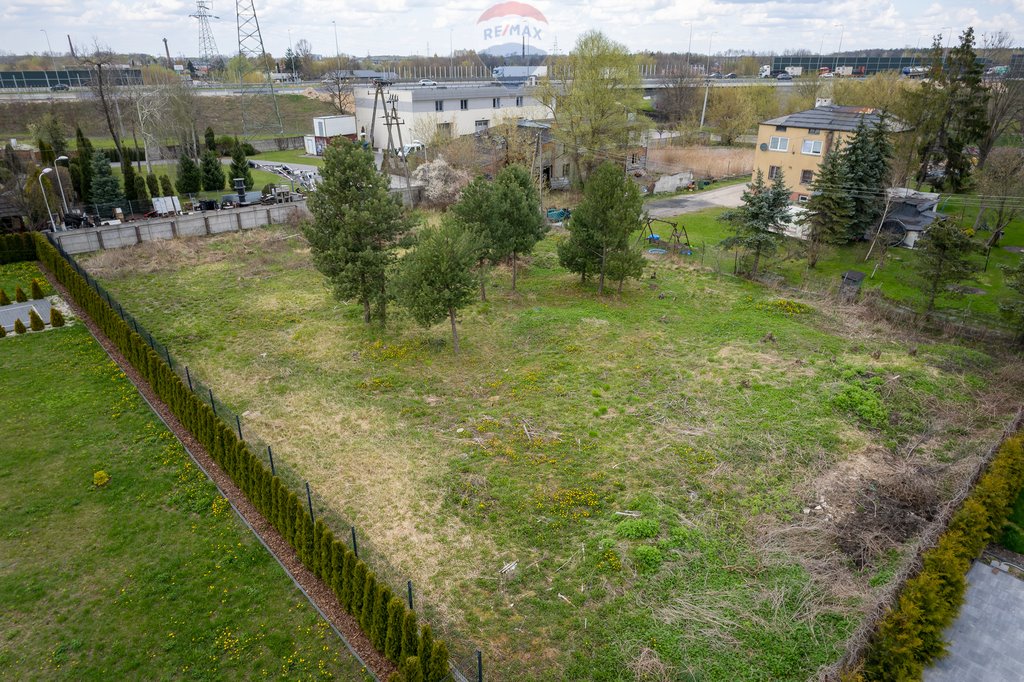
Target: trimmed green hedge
910 635
17 247
384 618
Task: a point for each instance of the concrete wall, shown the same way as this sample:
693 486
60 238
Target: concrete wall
192 225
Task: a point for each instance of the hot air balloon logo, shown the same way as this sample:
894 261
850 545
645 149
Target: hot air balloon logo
509 27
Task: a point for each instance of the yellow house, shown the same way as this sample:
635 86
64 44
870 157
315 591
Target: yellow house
795 145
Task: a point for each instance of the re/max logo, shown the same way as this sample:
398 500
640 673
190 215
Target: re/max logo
509 30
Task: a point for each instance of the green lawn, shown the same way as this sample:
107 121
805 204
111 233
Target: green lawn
151 576
291 156
704 404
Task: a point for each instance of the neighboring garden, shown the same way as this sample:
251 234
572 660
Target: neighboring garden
120 556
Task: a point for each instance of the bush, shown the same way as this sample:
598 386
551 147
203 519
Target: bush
393 641
646 559
100 478
4 300
438 663
426 649
19 295
410 638
36 290
35 322
166 186
3 331
637 529
19 326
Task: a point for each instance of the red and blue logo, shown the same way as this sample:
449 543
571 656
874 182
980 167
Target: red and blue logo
512 22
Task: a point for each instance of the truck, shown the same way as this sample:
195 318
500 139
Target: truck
765 71
915 71
519 72
795 71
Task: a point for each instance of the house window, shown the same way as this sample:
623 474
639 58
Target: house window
806 177
802 198
812 147
439 105
778 144
496 103
780 129
464 104
481 125
519 101
813 131
774 172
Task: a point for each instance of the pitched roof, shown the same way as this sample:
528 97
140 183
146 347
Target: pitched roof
830 117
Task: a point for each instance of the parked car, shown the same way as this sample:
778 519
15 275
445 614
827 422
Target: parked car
410 148
427 82
715 75
60 86
827 74
729 75
784 77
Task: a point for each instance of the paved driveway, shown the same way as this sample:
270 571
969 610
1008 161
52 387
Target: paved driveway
724 197
987 638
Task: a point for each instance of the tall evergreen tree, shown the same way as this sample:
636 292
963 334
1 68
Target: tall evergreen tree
81 167
758 224
212 171
129 182
436 280
141 191
105 190
520 206
478 211
356 223
600 228
166 186
153 183
866 158
240 166
830 210
190 178
210 139
944 260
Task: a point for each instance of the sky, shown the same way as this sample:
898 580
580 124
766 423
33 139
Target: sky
435 27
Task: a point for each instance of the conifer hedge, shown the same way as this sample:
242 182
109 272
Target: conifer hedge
17 247
910 635
389 625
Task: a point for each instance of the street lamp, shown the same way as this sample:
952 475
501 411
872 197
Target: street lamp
42 190
842 29
53 60
337 51
707 83
60 183
689 44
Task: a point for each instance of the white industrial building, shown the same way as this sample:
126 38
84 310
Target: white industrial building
451 110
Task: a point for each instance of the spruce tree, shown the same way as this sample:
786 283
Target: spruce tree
212 171
356 224
866 160
34 321
759 222
830 210
944 260
210 139
190 178
153 185
240 166
601 227
105 190
436 279
36 290
393 640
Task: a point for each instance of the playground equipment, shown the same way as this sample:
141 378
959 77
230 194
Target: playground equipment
679 241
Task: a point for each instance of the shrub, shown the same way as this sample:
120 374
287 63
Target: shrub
438 663
4 300
366 613
358 582
426 649
637 529
646 559
19 295
410 638
3 332
19 326
36 290
166 186
379 628
393 641
100 478
412 670
34 321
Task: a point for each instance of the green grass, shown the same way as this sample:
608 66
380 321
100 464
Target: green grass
563 409
260 178
291 156
149 577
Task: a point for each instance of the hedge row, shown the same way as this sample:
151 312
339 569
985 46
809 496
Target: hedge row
17 247
384 618
910 636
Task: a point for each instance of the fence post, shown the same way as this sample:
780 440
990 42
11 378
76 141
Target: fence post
212 404
152 344
479 666
309 500
167 354
355 547
270 454
238 425
188 376
409 583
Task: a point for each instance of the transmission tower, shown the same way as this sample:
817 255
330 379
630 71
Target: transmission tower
207 46
260 113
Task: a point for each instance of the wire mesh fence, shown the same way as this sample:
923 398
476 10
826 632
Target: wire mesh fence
465 659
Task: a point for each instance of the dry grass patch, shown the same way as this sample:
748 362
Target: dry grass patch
713 162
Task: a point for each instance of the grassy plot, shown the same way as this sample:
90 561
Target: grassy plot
674 480
259 177
149 576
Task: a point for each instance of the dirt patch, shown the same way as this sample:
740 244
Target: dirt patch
716 162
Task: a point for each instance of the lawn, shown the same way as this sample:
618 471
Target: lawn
894 276
150 576
291 156
674 479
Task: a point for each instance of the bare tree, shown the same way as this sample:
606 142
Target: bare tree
102 82
339 89
1001 190
304 54
1006 96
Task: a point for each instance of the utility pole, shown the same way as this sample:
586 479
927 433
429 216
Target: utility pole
167 51
707 83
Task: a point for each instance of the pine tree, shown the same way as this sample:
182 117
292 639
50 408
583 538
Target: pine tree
393 639
479 212
356 224
210 139
757 224
153 185
830 210
190 178
410 636
944 260
240 166
34 321
19 295
425 649
166 186
56 318
4 300
439 670
436 279
212 171
601 227
19 326
105 190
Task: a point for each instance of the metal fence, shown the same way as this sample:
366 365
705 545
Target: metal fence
466 660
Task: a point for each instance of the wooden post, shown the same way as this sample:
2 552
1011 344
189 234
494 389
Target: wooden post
138 234
206 224
238 219
99 238
174 230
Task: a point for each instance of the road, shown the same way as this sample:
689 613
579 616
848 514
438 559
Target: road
724 197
